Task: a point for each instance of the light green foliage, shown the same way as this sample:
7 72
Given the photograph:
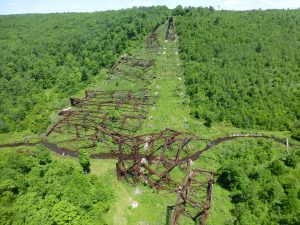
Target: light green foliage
242 67
41 190
64 213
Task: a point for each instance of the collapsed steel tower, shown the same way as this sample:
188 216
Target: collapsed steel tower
194 196
170 33
150 158
152 40
155 160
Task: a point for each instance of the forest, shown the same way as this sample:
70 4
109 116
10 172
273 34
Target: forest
263 185
36 188
226 89
242 67
46 58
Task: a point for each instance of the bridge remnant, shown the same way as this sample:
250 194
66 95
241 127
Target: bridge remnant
151 158
194 196
170 33
103 114
162 161
152 41
132 69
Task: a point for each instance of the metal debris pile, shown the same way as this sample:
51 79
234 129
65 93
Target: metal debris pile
132 69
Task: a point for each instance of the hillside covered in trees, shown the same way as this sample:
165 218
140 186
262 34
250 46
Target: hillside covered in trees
229 83
46 58
242 67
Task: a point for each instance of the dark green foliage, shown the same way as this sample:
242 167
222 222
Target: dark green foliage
36 189
179 11
296 135
296 131
277 167
291 160
45 58
3 127
243 67
84 160
208 120
262 192
43 155
84 74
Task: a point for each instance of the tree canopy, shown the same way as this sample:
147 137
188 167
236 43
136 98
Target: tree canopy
37 189
242 67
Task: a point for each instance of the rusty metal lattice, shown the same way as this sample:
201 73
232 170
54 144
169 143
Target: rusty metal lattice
104 114
151 160
132 69
152 40
194 196
135 62
153 157
170 33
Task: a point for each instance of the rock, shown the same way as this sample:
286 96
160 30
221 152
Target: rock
134 204
144 160
145 148
138 191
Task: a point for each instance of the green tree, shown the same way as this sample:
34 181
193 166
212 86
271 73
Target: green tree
84 160
43 154
64 213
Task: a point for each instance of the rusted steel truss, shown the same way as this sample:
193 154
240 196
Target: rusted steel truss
170 33
152 40
194 196
153 158
132 69
103 114
134 62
